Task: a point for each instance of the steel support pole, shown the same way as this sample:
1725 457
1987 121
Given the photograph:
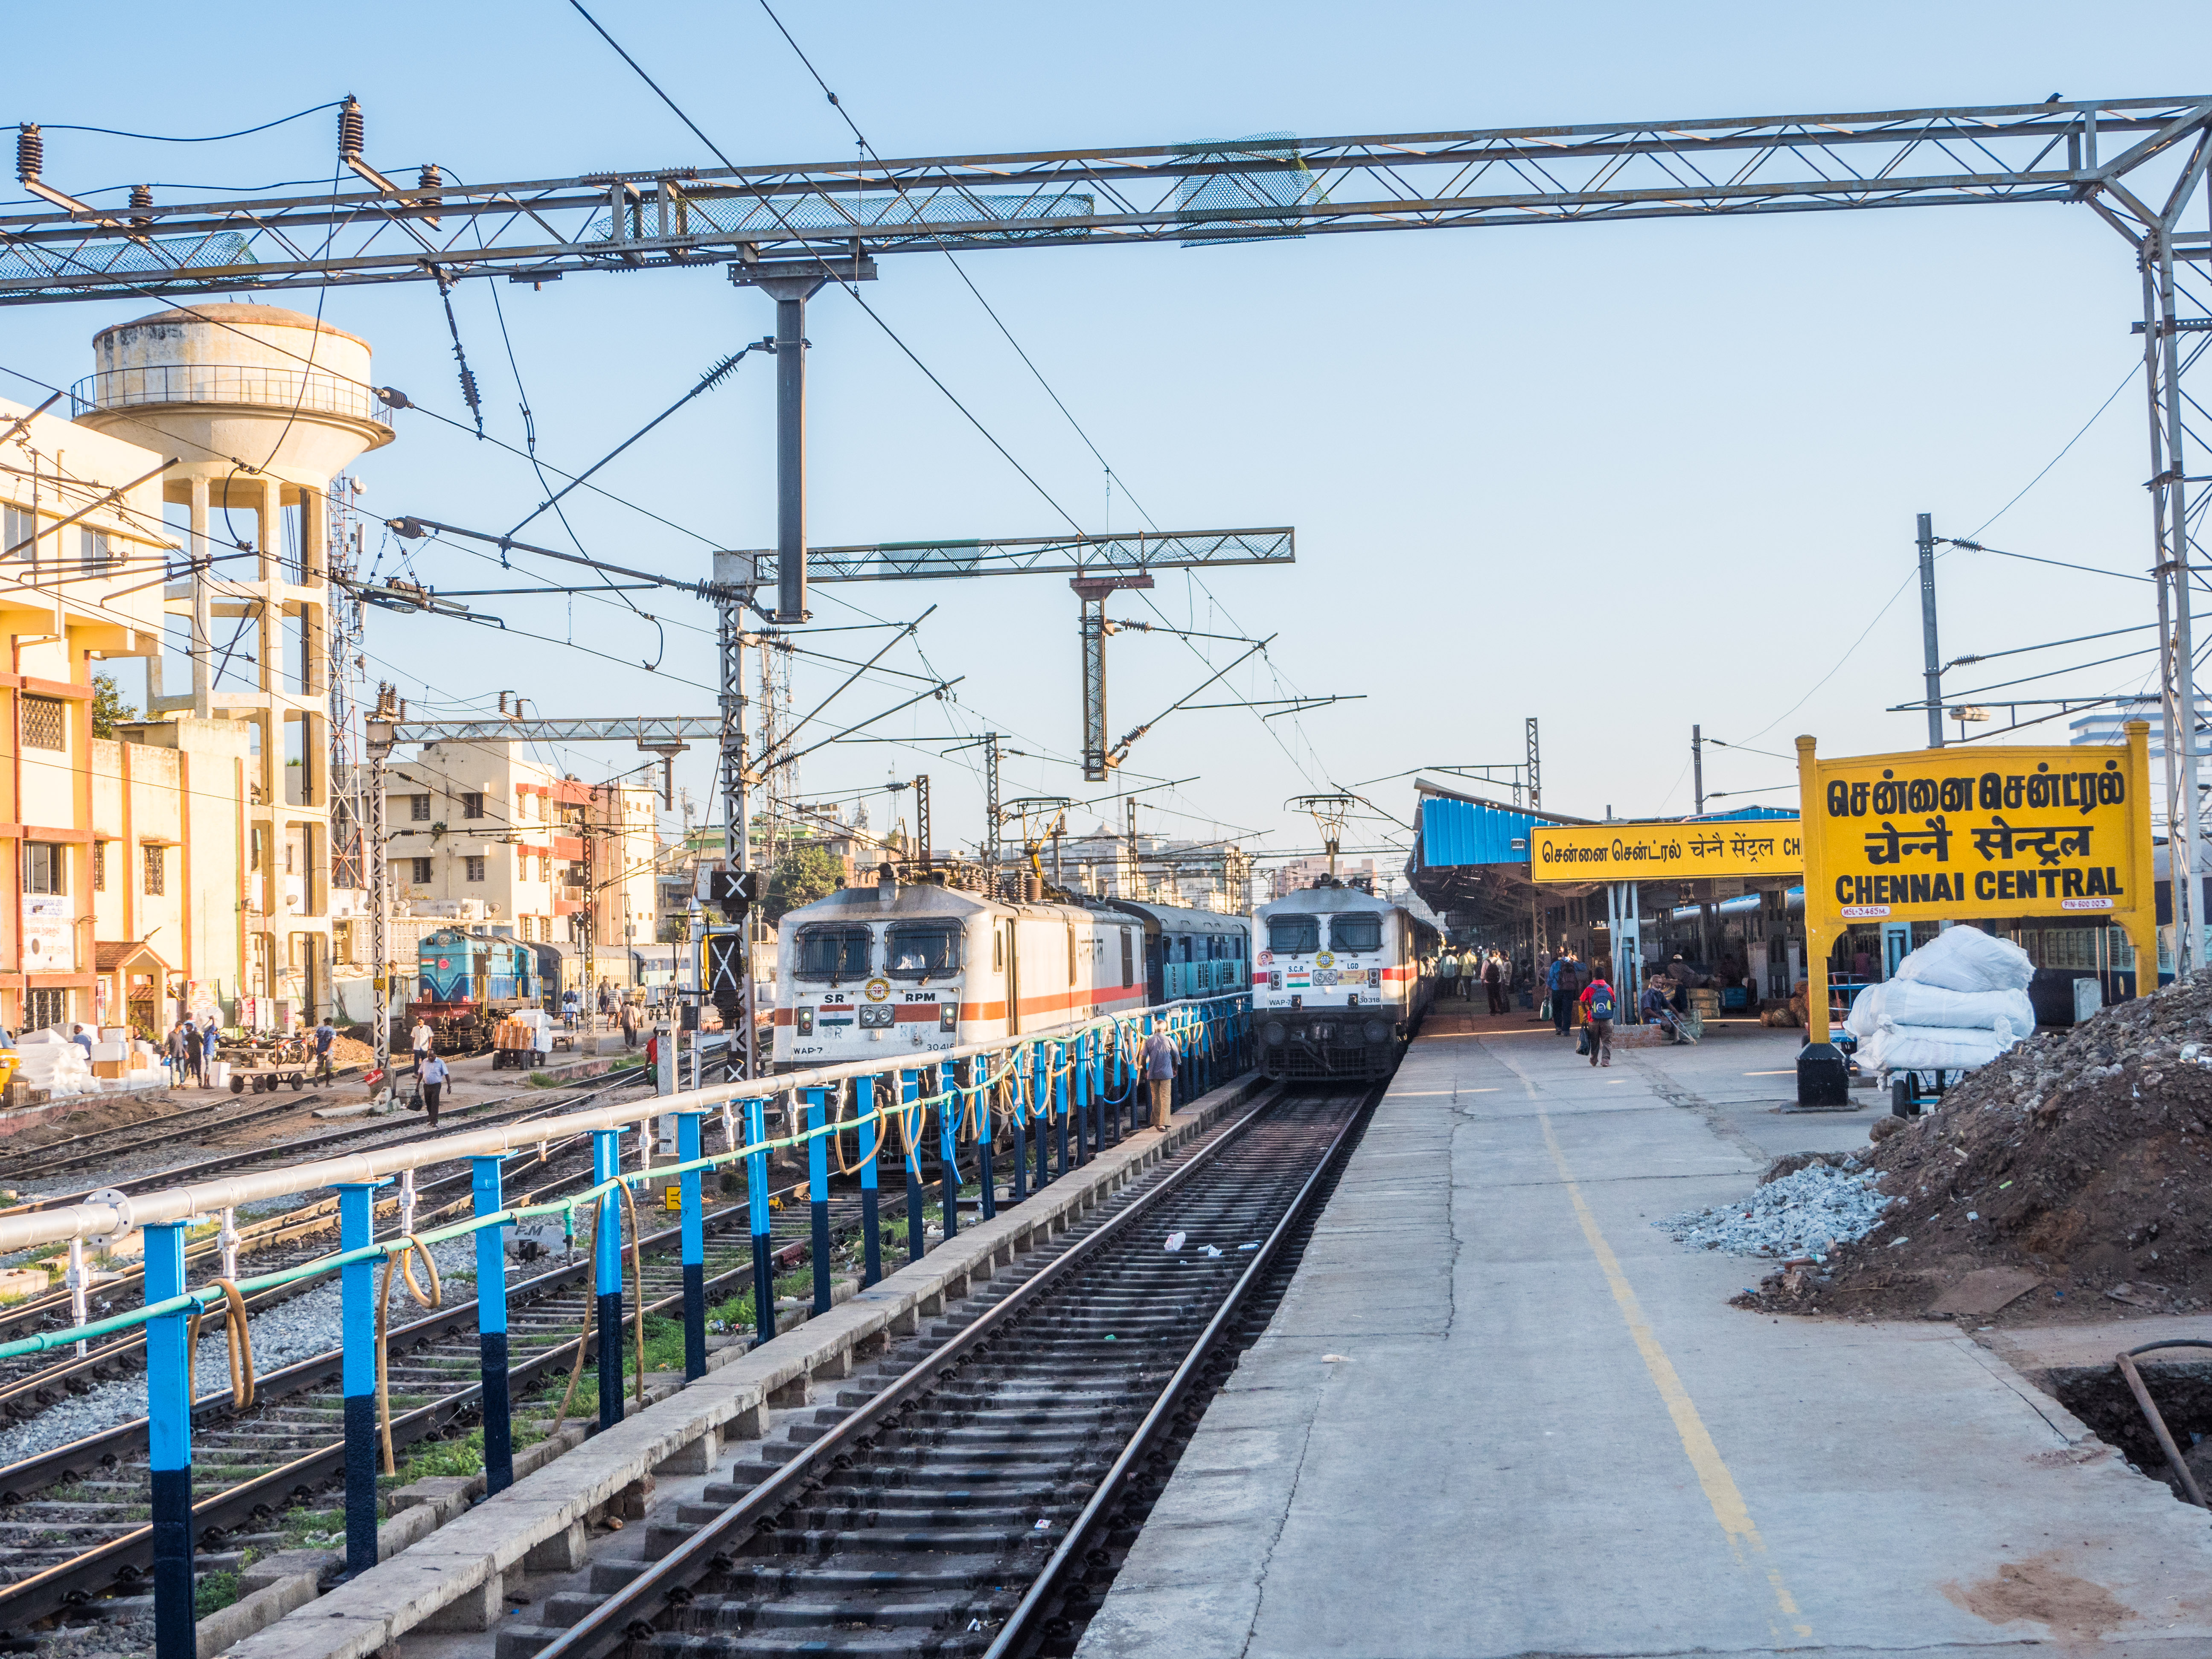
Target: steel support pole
756 1213
607 1273
491 1327
791 295
380 913
872 1237
1930 655
817 1194
357 1380
691 1193
169 1440
1093 646
2177 659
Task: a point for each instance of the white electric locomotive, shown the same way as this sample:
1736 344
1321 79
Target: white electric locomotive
892 968
1339 981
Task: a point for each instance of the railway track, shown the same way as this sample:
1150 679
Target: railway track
72 1519
973 1492
52 1311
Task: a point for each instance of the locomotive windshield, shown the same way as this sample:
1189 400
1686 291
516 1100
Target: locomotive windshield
1294 935
918 949
1356 932
836 954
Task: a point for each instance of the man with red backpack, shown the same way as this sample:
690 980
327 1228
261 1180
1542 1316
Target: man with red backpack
1597 1020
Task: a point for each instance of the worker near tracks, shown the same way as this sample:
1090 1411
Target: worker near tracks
1597 1020
1447 973
211 1042
77 1035
434 1084
419 1040
191 1038
629 1024
1160 1058
1562 981
325 1034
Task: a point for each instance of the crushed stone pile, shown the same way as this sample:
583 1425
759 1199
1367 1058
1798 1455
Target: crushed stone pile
2081 1162
1808 1212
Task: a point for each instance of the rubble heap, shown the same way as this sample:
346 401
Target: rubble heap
1808 1210
2082 1160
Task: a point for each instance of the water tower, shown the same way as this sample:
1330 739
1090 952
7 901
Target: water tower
263 407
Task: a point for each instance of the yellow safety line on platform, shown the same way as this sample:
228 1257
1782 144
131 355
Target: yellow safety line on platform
1721 1491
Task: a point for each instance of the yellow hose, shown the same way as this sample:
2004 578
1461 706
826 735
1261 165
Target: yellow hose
409 1246
239 1341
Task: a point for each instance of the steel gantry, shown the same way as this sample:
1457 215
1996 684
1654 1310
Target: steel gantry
2137 163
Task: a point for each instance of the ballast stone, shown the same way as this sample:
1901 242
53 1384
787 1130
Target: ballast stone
1808 1213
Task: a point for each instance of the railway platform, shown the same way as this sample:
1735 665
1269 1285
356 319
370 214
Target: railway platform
1499 1413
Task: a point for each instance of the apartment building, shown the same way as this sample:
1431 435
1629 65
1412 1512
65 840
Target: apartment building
81 531
481 832
481 822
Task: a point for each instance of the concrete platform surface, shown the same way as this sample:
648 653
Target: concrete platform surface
1499 1413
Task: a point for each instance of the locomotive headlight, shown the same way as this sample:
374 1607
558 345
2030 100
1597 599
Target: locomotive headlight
804 1019
1377 1032
1272 1032
948 1016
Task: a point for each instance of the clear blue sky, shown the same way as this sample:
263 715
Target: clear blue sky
1624 478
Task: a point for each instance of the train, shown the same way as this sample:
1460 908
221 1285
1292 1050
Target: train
1340 981
466 982
924 966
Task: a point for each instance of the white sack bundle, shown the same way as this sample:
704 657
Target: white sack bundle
1968 959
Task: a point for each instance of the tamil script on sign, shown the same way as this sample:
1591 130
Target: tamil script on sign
2053 830
1665 852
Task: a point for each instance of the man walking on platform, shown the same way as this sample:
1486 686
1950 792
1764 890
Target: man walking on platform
1563 983
1447 973
1493 983
434 1084
1158 1060
1597 1020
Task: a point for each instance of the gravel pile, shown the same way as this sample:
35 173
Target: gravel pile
2082 1160
1810 1213
300 1328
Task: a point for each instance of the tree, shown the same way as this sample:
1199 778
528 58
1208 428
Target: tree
801 876
108 708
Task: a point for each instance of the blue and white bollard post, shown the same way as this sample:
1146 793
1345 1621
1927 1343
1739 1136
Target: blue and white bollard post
757 1212
872 1237
1079 1064
1017 1063
491 1327
607 1274
981 1063
911 1127
691 1193
357 1326
948 1149
817 1194
1060 1067
169 1437
1041 1109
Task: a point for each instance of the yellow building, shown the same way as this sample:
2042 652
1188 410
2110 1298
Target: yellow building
82 555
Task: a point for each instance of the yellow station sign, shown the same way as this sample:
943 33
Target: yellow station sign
1668 850
1954 835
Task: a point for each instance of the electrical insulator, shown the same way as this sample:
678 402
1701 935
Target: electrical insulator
350 130
428 182
142 206
30 152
